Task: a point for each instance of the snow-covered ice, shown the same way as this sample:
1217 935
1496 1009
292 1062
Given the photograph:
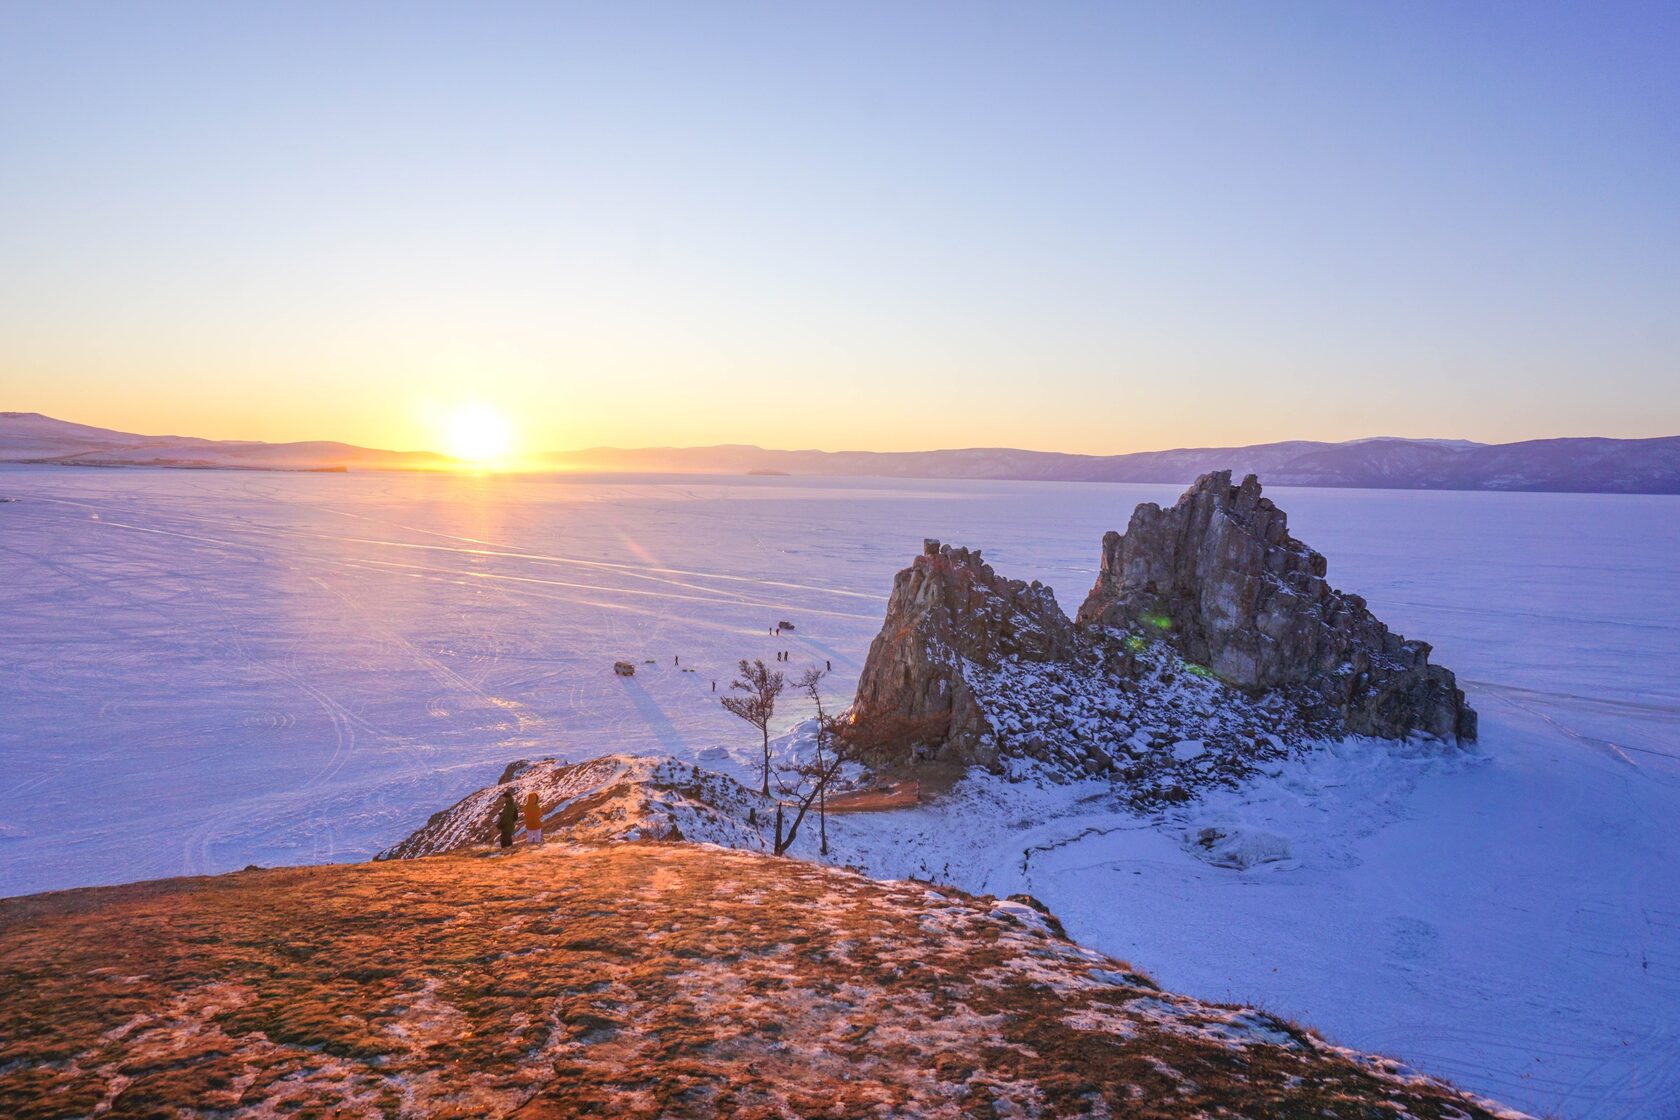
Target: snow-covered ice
200 670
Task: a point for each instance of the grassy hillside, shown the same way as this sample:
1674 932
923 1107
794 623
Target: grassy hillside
634 980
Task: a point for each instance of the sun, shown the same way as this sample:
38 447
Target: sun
479 435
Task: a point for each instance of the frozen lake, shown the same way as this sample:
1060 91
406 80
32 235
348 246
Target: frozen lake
201 670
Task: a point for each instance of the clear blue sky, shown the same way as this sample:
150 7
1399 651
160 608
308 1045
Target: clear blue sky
1102 228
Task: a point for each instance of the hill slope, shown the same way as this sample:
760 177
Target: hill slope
29 437
602 800
631 980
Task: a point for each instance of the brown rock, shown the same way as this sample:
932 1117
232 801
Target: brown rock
947 608
1219 576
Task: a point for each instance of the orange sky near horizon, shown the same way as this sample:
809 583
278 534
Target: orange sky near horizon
424 422
1088 228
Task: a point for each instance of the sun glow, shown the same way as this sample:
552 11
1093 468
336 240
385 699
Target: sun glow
479 435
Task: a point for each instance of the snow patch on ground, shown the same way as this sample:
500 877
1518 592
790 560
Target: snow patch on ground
1406 893
1237 846
610 799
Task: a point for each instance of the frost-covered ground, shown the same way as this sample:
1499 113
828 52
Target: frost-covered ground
202 670
638 982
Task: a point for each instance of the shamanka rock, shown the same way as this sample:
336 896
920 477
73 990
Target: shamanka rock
1210 645
1220 578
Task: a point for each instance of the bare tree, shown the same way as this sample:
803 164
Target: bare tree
803 784
757 706
810 683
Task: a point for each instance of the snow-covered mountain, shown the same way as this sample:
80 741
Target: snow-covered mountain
608 799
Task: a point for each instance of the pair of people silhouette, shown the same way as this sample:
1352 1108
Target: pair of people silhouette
507 819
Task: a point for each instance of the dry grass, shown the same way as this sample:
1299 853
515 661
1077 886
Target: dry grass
634 980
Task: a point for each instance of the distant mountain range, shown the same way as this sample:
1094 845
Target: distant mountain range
29 437
1590 465
1582 465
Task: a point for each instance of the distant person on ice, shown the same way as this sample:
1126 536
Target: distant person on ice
507 819
533 818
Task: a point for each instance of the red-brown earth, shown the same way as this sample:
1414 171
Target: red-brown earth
634 980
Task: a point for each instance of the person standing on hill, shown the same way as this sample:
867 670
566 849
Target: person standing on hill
533 819
507 819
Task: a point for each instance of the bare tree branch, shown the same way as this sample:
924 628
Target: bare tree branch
761 686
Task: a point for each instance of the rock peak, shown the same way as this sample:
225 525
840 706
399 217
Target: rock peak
1219 577
949 610
1210 635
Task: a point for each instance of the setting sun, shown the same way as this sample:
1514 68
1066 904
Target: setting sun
480 435
599 423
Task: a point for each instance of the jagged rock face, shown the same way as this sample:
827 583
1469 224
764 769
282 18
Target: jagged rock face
947 609
1211 645
1219 577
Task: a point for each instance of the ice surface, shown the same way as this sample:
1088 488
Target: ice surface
200 670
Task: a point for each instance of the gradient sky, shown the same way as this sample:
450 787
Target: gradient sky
1099 228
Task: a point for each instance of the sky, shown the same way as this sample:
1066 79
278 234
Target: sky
1098 228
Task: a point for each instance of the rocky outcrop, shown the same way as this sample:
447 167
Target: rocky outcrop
996 674
1219 578
949 610
1211 644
